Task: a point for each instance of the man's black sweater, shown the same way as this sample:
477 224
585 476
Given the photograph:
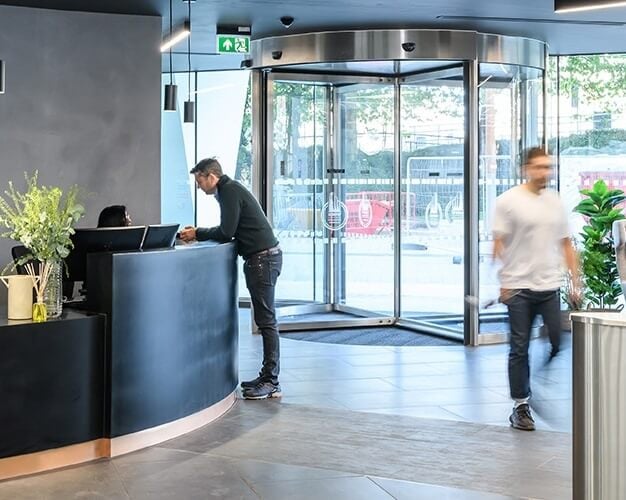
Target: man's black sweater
242 219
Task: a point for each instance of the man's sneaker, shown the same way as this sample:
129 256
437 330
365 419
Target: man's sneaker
262 390
249 384
521 418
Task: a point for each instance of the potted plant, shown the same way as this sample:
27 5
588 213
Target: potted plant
600 276
43 220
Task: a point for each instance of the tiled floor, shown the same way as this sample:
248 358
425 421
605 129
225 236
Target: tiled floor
346 429
450 382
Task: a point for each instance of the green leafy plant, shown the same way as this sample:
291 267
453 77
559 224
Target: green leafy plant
43 220
599 268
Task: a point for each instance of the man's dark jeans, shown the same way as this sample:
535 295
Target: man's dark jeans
261 272
523 307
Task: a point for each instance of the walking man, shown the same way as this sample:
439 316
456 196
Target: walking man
243 220
531 239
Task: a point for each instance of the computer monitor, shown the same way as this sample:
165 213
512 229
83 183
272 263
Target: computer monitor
160 236
102 239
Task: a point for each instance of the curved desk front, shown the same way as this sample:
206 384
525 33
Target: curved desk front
156 358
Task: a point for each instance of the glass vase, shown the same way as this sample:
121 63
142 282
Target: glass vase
53 294
39 311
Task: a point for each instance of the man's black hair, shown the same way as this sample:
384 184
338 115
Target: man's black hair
208 166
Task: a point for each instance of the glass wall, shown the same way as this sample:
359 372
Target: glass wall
178 144
222 129
591 127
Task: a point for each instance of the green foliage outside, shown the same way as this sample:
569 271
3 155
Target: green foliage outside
42 218
598 79
599 268
591 138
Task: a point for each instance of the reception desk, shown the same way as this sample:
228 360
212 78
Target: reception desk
155 357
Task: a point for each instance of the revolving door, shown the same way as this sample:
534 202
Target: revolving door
378 157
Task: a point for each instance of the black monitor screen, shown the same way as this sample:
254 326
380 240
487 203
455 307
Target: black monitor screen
160 236
102 239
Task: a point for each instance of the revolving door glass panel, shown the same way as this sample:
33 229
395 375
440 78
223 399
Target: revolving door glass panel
298 133
432 219
362 184
511 108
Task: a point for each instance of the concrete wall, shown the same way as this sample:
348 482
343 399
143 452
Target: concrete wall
82 105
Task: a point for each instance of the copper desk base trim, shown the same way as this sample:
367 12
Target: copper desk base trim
155 435
41 461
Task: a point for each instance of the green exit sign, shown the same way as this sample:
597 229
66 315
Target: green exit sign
233 44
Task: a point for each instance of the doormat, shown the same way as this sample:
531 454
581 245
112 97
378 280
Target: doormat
383 336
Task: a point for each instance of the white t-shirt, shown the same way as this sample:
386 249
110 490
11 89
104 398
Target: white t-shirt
532 227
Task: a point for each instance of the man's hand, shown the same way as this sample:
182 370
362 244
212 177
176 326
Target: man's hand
188 234
576 297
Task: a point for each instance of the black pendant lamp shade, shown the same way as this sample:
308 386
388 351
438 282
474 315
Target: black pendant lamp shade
190 111
171 90
190 106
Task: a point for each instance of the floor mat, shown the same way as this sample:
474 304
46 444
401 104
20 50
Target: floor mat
387 336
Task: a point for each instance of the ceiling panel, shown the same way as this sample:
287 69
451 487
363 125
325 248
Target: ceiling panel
531 18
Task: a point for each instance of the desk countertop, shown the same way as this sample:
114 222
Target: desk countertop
68 314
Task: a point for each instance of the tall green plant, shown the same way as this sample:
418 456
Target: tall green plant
599 268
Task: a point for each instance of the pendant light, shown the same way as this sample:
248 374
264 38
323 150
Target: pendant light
190 106
170 90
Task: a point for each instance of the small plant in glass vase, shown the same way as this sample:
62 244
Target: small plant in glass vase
600 276
42 219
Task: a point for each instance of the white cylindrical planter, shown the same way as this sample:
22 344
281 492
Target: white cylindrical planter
20 296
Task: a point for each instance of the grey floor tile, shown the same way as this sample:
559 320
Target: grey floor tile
319 400
427 397
434 412
339 387
455 381
404 490
483 413
255 471
315 362
361 372
182 475
94 481
347 488
410 355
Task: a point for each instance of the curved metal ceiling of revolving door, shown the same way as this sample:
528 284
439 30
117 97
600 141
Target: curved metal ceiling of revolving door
370 68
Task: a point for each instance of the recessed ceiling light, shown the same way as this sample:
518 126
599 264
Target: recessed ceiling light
563 6
176 37
530 20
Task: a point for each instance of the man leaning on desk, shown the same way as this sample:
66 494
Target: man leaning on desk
243 220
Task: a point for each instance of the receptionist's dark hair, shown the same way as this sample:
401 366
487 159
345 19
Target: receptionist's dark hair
113 216
208 166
